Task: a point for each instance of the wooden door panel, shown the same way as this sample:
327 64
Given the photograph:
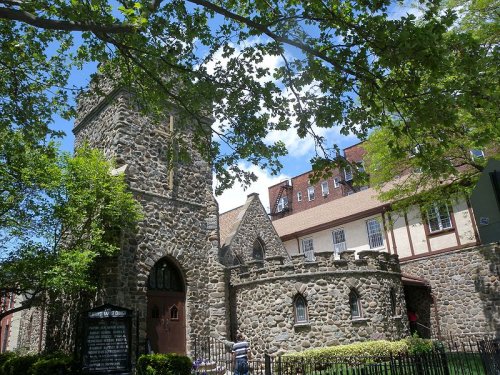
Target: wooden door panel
166 322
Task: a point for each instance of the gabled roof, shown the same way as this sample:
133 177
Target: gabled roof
336 212
228 224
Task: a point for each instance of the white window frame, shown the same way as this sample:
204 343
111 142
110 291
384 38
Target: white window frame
308 249
336 182
361 166
477 154
439 215
375 233
299 196
416 150
325 190
310 193
338 245
348 173
282 204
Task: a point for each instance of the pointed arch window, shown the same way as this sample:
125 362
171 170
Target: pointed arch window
165 276
258 249
300 309
174 313
355 304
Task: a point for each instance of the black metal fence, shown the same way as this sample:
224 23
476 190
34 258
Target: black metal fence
469 358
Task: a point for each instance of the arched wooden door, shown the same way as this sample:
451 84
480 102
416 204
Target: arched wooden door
166 321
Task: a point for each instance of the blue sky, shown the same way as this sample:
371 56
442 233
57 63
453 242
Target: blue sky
300 151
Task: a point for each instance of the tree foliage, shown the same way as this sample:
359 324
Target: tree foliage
59 215
431 152
345 63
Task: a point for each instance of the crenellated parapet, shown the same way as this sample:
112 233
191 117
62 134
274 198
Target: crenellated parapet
276 267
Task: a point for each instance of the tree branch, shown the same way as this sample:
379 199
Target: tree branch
281 39
50 24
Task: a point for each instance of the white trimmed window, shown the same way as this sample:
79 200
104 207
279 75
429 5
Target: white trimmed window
300 308
310 193
336 182
339 244
325 190
348 173
361 166
477 154
415 150
308 249
438 217
375 238
282 203
299 196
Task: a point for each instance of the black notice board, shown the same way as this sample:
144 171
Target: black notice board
107 340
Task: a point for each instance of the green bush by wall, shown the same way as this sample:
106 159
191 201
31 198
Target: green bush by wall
379 348
49 364
164 364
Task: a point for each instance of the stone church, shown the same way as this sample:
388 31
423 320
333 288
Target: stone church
189 273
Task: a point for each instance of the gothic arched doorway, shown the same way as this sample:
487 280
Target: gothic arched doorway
166 319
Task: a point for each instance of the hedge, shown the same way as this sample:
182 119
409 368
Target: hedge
164 364
48 364
378 348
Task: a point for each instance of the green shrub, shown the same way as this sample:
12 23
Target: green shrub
16 365
4 357
54 364
417 345
361 349
164 364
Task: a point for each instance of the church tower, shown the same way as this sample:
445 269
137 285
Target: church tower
167 272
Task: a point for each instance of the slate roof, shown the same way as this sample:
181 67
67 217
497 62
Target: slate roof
228 224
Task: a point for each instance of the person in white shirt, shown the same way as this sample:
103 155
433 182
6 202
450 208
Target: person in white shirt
241 354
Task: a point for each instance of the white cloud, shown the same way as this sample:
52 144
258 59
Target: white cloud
237 196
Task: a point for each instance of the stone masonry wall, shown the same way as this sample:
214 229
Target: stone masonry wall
465 288
256 224
264 297
180 221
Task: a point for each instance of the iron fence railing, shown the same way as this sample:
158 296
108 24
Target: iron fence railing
448 358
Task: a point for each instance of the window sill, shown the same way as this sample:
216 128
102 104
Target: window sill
441 232
302 324
360 320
